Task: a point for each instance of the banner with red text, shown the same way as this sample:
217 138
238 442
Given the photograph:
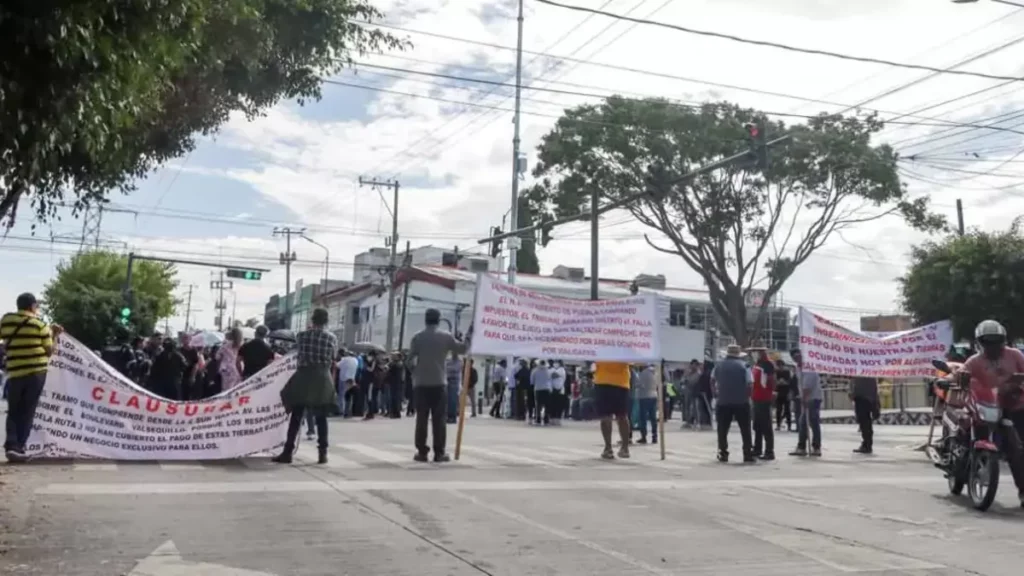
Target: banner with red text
829 348
89 410
511 321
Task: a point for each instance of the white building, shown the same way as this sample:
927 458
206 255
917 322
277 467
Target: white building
372 265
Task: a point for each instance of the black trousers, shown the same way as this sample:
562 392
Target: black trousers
295 424
499 395
519 406
725 416
864 410
542 402
764 435
395 399
782 407
432 404
22 398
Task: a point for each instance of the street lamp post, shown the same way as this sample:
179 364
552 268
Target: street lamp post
1007 2
327 261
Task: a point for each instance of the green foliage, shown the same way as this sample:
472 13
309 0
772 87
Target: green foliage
736 227
968 279
95 93
526 257
85 296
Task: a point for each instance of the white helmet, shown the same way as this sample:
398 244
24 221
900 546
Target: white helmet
988 329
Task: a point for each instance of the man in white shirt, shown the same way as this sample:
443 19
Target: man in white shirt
557 392
348 367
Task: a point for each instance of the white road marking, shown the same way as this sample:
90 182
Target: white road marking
463 461
633 461
378 454
185 488
180 466
93 467
504 455
308 453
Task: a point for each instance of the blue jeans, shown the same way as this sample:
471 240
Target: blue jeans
648 413
808 415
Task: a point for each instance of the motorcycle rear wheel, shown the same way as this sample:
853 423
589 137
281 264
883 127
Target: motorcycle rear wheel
983 479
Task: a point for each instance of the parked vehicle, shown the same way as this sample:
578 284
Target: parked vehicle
973 432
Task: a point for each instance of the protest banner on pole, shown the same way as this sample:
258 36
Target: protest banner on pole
829 348
510 320
89 410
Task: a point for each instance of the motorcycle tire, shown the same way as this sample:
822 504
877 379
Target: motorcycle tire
987 463
956 483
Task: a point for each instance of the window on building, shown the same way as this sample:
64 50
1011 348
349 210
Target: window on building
676 314
374 312
699 318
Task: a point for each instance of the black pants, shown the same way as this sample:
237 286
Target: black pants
542 402
531 401
764 435
782 408
864 410
22 398
519 406
295 424
725 415
431 403
499 395
395 406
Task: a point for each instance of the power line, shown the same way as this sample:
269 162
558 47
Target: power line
781 46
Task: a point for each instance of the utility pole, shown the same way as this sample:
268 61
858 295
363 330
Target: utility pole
220 285
960 216
406 262
234 309
393 242
286 258
188 307
517 164
595 216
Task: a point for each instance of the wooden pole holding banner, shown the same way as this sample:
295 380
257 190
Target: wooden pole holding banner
466 371
661 407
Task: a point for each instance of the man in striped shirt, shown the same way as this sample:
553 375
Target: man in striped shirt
29 343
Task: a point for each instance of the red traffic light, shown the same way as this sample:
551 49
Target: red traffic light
753 130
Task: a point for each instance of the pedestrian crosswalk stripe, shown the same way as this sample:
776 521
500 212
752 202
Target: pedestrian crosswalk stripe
636 459
309 453
94 467
504 454
183 466
380 455
463 461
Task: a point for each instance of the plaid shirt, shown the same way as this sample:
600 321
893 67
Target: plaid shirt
317 347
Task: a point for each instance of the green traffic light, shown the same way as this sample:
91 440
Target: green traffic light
126 312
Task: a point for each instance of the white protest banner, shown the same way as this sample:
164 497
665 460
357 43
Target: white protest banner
829 348
508 320
89 410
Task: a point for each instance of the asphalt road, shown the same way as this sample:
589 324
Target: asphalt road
523 501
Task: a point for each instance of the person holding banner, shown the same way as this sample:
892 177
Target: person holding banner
311 387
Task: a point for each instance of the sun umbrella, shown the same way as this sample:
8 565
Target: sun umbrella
206 338
367 347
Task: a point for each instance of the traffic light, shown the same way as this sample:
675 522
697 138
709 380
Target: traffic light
495 244
245 274
126 314
656 180
756 138
545 234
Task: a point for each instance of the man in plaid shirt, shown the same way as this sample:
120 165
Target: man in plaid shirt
311 389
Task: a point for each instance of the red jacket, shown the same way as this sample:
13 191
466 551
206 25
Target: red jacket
764 385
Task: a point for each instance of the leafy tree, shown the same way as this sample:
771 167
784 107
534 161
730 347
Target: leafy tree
968 279
103 91
85 296
526 256
738 228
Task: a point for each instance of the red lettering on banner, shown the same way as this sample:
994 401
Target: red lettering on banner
154 405
133 402
97 393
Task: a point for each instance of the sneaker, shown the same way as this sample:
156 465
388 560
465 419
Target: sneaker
654 439
322 459
608 454
816 452
624 452
799 452
283 458
749 459
310 435
723 457
441 458
15 455
420 457
862 450
642 441
768 456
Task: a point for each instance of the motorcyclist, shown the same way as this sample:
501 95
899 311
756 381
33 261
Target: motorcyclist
1000 366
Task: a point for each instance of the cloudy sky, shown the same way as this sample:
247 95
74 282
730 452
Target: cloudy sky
299 165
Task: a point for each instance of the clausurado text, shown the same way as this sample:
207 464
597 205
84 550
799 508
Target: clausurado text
509 320
89 410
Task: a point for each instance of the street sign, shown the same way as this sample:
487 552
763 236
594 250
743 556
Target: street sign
244 274
167 561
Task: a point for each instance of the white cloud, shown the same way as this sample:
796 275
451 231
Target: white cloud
312 167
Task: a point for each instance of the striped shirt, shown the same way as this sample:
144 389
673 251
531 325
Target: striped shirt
29 343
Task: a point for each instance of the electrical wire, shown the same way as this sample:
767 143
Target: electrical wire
780 46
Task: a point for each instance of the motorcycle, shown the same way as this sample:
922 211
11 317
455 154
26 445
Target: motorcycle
973 432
